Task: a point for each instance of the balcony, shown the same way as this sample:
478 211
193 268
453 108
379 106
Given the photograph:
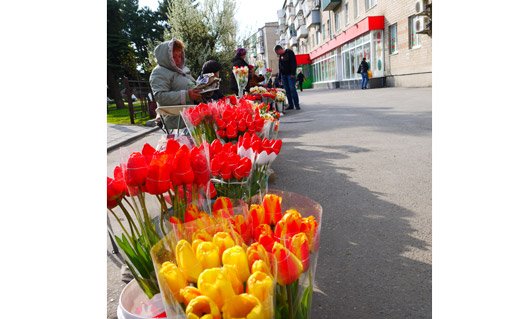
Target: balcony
298 23
328 5
293 41
281 13
282 22
302 32
299 8
314 18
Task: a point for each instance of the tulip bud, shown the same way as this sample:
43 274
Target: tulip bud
208 255
288 225
223 207
261 286
174 278
260 265
257 252
243 306
223 240
189 293
236 257
214 284
289 267
300 248
231 274
309 227
272 207
187 261
202 307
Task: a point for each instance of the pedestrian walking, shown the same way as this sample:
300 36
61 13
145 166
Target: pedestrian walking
300 79
363 69
287 68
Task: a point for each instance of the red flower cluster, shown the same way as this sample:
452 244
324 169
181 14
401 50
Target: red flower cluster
234 121
259 145
226 163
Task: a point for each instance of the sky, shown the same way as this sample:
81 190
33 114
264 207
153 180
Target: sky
251 14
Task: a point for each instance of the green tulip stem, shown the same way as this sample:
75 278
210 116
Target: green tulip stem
130 221
121 224
290 301
141 226
164 210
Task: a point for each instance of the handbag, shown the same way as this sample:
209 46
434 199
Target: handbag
369 73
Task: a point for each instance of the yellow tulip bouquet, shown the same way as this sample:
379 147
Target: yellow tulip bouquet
244 260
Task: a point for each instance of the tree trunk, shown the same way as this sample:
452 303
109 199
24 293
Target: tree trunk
113 88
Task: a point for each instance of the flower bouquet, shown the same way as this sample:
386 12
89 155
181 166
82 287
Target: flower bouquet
200 120
259 66
280 97
205 269
241 77
267 74
233 121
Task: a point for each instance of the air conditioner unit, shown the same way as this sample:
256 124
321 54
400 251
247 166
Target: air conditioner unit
419 6
420 24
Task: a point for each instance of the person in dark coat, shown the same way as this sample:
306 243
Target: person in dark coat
363 69
212 66
300 79
238 61
277 82
287 69
253 78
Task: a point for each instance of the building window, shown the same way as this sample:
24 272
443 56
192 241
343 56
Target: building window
370 3
356 11
346 13
393 38
324 32
329 28
336 20
414 38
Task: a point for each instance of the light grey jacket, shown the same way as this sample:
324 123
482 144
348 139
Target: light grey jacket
170 83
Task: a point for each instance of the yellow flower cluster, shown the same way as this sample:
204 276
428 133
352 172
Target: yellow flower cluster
210 274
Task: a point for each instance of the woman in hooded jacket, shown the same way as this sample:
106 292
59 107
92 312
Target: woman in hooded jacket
171 80
238 61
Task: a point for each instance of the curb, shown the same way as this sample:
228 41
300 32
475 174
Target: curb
130 139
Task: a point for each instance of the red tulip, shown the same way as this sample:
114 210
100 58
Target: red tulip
182 172
199 166
243 169
257 216
216 147
172 147
119 179
114 194
309 227
231 130
288 225
210 190
148 151
158 174
136 170
191 213
289 267
233 99
262 229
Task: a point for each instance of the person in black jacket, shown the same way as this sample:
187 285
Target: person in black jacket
239 61
300 79
363 69
212 66
287 69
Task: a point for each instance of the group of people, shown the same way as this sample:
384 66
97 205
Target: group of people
172 83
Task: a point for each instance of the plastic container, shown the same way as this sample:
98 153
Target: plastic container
134 304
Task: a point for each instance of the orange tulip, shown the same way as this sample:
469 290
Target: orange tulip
257 252
288 225
214 284
237 258
189 293
202 307
243 306
223 240
202 234
300 248
309 227
272 207
223 207
174 278
191 213
289 267
241 227
262 229
208 255
257 215
267 241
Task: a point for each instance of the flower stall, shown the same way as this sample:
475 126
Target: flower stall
201 232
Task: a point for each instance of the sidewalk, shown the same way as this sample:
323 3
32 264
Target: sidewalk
118 135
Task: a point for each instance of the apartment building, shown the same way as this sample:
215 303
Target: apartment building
338 34
260 46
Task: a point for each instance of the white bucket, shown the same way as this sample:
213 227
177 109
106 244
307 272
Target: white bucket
134 304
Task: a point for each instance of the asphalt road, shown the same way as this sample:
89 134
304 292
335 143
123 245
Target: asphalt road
365 156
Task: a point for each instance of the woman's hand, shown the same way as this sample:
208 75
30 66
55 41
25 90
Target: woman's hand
194 94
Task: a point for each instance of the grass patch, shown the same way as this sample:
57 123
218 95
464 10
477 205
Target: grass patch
115 116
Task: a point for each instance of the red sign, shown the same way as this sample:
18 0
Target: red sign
363 26
302 59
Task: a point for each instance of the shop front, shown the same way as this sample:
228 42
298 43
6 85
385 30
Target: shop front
335 63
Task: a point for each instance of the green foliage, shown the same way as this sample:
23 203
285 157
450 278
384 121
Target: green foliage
121 116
